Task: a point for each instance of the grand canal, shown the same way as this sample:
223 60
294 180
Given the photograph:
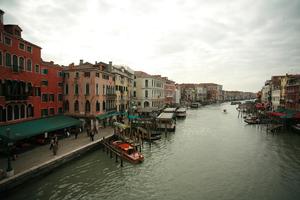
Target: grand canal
212 155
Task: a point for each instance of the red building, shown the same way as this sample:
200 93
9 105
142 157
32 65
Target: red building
22 82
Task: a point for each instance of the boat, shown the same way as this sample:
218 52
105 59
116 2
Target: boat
166 121
128 151
235 103
252 120
181 112
195 105
296 127
149 136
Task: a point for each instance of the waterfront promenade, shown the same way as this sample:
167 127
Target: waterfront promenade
42 156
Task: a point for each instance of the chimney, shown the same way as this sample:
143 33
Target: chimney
81 62
1 16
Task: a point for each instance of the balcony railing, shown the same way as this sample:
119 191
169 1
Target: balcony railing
16 97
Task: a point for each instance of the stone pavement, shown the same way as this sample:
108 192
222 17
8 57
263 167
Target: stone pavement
42 154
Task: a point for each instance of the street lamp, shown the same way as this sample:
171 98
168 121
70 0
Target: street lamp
9 169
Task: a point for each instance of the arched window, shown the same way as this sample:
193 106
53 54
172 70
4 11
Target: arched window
9 113
103 106
66 105
3 114
97 106
76 89
16 112
29 65
146 93
87 89
22 111
8 59
21 63
146 104
67 89
87 106
15 63
97 89
29 111
76 106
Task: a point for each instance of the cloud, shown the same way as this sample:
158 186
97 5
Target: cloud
237 43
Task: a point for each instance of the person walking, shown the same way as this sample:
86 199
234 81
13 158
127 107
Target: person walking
51 143
92 135
76 131
55 148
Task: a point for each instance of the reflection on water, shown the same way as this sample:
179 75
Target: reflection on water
212 155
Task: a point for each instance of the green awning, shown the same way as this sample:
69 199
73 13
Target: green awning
107 115
28 129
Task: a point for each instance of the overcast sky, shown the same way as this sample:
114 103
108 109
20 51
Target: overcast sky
238 44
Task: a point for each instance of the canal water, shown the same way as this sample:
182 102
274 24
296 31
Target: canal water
212 155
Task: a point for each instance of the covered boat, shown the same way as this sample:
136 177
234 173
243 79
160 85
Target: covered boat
166 121
181 112
252 120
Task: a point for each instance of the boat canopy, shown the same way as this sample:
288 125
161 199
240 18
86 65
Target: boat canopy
125 146
169 110
165 116
120 125
32 128
181 110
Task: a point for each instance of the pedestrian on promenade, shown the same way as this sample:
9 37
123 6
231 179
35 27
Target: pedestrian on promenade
55 139
88 131
92 134
55 148
51 143
76 131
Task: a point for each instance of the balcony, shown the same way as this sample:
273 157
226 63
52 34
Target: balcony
15 97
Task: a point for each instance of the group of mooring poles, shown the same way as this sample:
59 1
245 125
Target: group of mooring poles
109 150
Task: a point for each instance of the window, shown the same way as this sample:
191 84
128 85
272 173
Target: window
146 83
76 89
97 106
66 106
67 89
29 65
76 106
21 63
51 97
87 106
8 59
0 57
29 49
134 93
37 69
44 97
97 74
17 33
44 82
7 41
66 75
45 71
61 85
77 74
60 74
15 63
97 89
52 111
134 84
44 112
21 46
60 97
16 112
87 74
87 89
146 93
